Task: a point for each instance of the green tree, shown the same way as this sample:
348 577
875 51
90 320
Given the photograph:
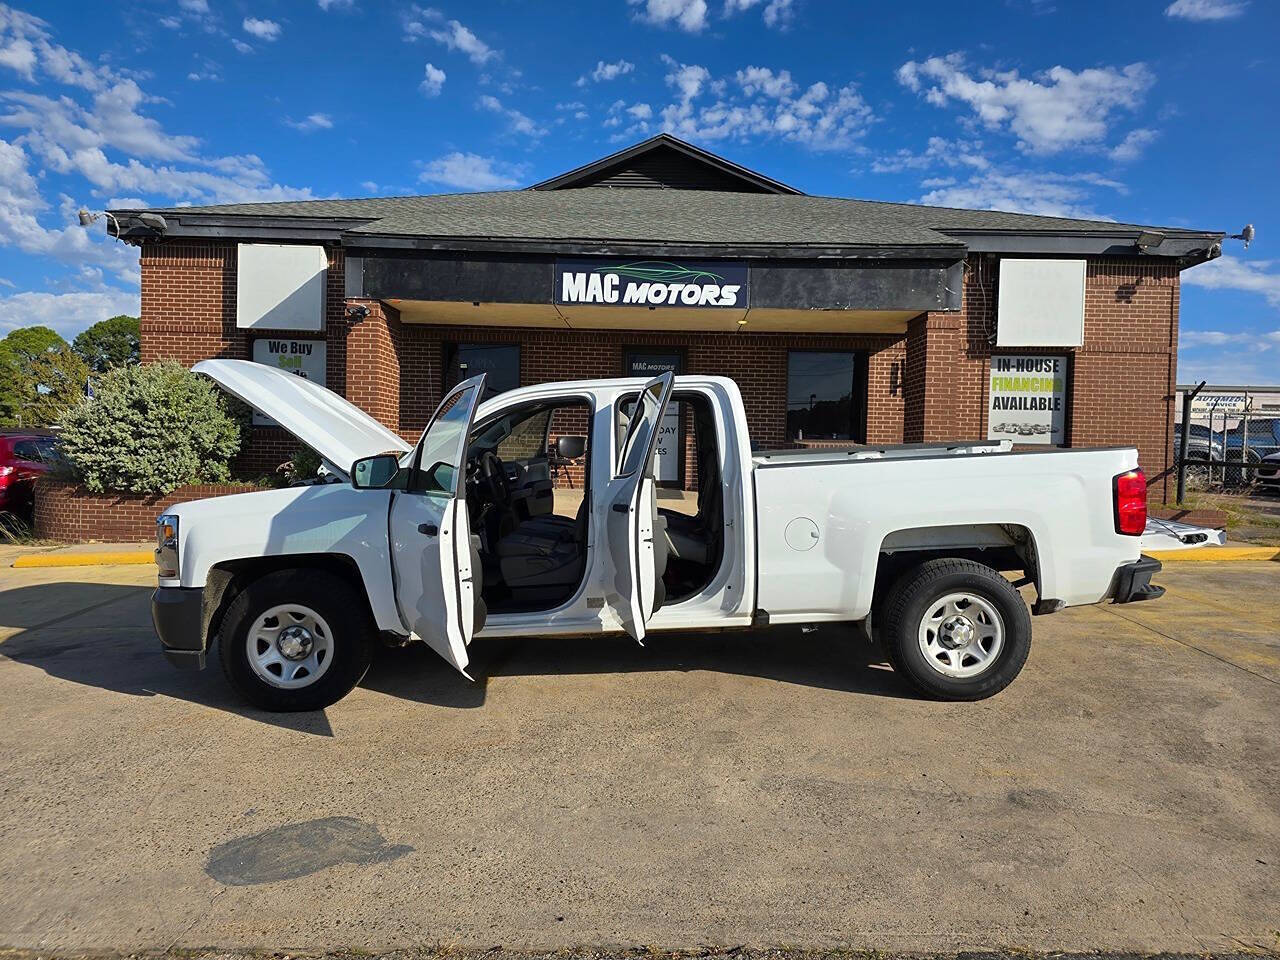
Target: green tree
150 429
54 381
18 383
109 343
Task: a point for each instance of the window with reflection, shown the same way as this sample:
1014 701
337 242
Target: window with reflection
824 399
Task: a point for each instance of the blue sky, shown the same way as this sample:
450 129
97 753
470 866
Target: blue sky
1149 111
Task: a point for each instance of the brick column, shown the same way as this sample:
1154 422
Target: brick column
373 347
931 404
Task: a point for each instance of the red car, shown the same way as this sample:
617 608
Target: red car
24 455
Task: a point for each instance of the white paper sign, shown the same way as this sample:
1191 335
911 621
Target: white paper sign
302 358
1028 399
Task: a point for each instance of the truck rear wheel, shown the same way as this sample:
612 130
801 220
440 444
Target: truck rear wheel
956 630
295 640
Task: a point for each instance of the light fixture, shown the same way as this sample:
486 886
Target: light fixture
1246 235
1149 239
88 219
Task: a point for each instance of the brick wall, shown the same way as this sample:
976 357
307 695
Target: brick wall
64 511
189 314
930 384
1120 383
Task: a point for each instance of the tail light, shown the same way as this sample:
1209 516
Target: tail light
1129 496
5 471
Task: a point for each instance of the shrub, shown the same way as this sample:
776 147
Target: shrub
304 465
150 429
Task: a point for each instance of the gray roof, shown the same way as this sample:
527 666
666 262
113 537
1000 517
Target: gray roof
659 216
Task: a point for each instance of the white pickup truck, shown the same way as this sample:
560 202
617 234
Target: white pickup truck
469 533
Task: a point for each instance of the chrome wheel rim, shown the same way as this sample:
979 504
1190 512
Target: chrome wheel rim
961 635
289 646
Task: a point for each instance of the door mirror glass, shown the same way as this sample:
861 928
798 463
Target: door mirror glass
375 473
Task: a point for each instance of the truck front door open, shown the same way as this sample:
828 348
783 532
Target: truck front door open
633 513
436 570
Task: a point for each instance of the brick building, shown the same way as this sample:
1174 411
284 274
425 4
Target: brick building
842 321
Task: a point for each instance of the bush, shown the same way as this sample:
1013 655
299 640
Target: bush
150 429
304 465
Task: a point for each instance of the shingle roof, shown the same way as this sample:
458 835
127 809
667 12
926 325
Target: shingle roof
669 216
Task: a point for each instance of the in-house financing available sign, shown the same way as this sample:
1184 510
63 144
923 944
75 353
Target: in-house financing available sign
652 283
1028 399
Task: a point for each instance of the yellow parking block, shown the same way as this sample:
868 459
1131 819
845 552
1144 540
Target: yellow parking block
1216 554
86 558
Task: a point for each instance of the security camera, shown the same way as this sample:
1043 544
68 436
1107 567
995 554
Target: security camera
357 311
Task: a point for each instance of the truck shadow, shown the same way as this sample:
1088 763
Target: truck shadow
100 635
835 657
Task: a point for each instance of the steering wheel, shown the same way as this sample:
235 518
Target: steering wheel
494 475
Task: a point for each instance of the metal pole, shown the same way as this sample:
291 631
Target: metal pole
1186 439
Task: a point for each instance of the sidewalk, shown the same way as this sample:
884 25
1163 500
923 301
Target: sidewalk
86 555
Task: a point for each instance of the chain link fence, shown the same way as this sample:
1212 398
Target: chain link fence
1231 433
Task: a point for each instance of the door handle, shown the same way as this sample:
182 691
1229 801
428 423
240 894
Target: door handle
622 508
430 529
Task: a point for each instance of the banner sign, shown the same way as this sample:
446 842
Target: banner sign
652 283
1028 399
302 358
670 436
1225 402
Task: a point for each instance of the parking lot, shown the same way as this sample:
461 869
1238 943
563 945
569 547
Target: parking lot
764 789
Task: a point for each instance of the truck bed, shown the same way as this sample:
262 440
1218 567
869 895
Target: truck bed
827 454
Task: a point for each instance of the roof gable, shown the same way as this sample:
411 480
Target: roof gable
666 163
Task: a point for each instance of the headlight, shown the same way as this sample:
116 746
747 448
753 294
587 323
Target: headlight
167 545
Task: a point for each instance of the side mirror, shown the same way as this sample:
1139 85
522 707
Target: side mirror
376 472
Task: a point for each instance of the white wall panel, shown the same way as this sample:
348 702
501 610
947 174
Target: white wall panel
280 287
1041 303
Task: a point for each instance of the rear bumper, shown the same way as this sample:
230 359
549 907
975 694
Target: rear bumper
1133 581
177 613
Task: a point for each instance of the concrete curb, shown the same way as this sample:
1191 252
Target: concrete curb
85 559
1216 554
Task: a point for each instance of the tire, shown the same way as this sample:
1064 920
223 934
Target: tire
935 641
325 614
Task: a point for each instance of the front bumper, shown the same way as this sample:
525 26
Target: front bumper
178 615
1133 581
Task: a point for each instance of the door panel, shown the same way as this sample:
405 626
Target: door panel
431 536
633 512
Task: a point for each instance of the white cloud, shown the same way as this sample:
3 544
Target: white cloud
467 171
100 129
328 5
640 111
1046 194
518 121
428 22
1057 110
764 80
314 121
606 71
67 313
777 13
1232 273
940 152
432 80
1201 10
762 104
194 6
1220 338
241 46
688 15
1131 147
267 30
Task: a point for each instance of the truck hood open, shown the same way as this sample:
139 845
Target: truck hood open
337 430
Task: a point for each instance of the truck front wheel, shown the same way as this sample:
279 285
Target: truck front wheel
295 640
956 630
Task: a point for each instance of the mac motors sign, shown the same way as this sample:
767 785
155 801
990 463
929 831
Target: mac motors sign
652 283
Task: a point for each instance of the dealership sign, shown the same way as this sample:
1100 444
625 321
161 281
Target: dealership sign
652 283
1028 399
302 358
